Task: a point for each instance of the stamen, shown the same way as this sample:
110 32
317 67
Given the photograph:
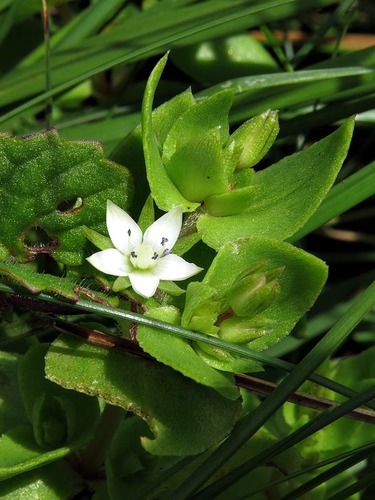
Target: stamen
167 252
133 254
164 241
155 256
129 232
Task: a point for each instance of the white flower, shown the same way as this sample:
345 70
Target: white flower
144 258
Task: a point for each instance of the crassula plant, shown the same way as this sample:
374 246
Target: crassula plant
206 218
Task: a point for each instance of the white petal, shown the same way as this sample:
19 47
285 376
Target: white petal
123 230
144 283
111 261
163 233
174 268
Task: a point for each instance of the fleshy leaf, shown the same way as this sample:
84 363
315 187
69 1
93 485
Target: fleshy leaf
137 473
11 409
22 275
202 307
52 482
171 288
207 115
130 150
301 281
151 390
225 361
19 451
164 192
290 192
128 466
196 168
147 215
48 404
231 202
56 187
177 353
184 244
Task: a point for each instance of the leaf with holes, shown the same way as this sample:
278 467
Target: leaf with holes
50 188
20 275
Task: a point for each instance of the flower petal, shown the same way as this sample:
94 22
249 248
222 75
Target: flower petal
163 233
174 268
144 283
111 261
123 230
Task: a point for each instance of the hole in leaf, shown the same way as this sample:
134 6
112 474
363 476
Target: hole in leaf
37 241
36 237
69 206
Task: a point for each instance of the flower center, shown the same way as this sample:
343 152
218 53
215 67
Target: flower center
143 256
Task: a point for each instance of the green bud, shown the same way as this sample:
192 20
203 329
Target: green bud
254 291
254 138
243 330
213 351
202 307
222 360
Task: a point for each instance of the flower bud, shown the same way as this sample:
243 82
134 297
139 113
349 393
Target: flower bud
213 351
254 138
243 330
254 291
221 359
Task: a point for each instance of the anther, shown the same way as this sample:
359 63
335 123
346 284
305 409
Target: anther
164 241
129 232
155 256
134 255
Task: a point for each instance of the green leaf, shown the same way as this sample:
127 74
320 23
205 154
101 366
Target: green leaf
129 151
290 192
164 192
22 275
196 168
184 244
202 307
232 202
300 283
179 355
151 390
19 451
255 94
207 115
356 371
147 216
100 241
221 59
128 466
51 482
11 409
171 288
56 187
48 404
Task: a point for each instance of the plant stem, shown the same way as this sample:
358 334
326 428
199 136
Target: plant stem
92 457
